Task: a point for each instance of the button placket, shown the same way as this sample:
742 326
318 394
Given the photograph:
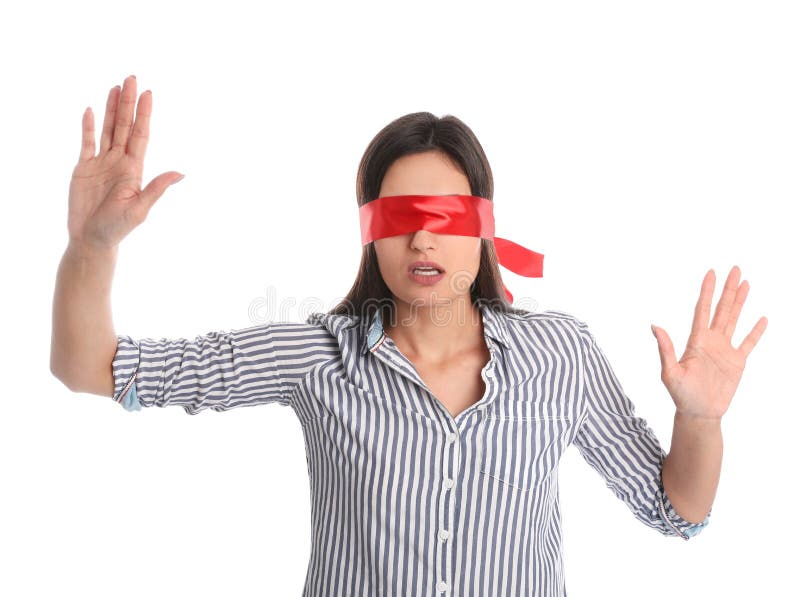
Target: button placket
488 375
445 557
490 370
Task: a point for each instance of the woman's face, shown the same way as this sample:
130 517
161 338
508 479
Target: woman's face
427 173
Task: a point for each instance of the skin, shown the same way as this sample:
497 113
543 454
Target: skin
435 324
438 327
702 384
106 202
430 332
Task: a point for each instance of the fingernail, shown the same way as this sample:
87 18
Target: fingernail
178 179
653 329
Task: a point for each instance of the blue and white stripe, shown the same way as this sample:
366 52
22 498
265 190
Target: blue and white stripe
405 498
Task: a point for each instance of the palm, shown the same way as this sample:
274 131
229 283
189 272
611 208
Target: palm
106 200
102 191
702 383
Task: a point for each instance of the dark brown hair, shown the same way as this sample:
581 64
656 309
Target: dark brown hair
415 133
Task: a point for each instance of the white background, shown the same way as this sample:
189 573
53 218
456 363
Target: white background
635 144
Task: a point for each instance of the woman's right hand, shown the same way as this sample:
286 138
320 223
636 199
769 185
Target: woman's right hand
106 200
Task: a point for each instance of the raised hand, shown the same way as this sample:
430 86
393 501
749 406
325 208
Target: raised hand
106 200
704 381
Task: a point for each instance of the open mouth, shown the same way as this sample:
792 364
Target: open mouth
425 268
426 271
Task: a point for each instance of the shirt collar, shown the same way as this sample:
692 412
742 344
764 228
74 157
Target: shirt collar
494 326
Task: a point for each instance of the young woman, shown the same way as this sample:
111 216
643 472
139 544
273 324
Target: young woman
434 414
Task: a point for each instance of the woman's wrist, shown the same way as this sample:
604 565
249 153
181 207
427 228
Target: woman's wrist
84 250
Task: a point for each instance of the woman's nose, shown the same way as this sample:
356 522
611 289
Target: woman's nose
423 239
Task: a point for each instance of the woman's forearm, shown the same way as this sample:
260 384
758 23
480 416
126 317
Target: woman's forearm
83 341
691 470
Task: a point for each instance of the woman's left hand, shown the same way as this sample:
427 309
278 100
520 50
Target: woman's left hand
703 382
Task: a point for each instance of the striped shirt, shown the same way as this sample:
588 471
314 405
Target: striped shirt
405 498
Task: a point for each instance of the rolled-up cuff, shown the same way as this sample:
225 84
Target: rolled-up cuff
682 527
124 368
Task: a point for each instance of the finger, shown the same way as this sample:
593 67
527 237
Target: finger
124 120
87 139
108 120
752 338
741 295
703 306
141 128
723 311
155 189
666 351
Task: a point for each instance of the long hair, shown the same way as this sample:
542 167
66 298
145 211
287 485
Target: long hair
414 133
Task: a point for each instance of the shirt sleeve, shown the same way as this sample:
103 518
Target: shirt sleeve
220 370
622 448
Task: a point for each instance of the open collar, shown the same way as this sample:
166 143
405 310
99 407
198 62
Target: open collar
494 326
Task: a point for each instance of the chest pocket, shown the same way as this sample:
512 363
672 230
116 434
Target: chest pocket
521 444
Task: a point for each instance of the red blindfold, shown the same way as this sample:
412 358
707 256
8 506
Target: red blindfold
464 215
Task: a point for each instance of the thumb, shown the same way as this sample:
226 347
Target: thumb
665 349
151 193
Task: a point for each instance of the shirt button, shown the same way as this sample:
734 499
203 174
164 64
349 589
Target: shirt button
448 483
451 437
481 406
443 535
490 373
441 586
